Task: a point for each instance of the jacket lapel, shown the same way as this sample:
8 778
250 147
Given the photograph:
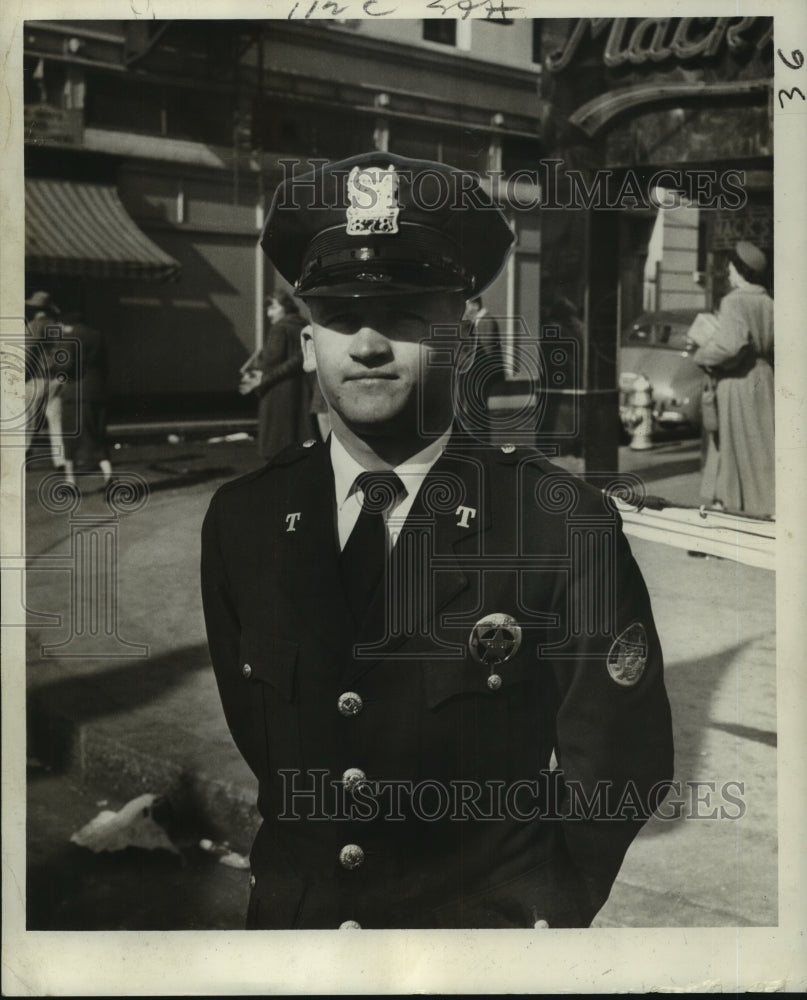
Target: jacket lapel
309 556
447 520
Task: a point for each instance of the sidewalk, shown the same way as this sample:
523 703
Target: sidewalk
153 723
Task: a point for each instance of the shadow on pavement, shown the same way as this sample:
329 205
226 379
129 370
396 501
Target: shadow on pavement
765 736
691 685
57 709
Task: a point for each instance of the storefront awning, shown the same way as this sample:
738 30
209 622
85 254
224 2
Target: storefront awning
84 230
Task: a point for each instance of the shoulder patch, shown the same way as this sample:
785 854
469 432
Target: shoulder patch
627 657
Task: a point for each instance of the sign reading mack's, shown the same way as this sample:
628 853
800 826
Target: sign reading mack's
655 39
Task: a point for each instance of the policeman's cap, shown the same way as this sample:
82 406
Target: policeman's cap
381 224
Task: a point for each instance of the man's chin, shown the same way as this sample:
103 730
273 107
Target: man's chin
379 427
374 415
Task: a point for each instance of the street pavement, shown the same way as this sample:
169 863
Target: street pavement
122 701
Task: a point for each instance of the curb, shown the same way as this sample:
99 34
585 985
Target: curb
199 804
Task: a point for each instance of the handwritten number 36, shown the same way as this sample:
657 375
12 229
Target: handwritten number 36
798 61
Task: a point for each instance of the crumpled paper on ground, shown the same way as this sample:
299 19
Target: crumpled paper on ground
226 856
131 826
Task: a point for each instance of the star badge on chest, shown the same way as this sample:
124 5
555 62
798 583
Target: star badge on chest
494 640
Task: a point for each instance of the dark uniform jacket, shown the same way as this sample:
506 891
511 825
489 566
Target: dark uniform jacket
402 782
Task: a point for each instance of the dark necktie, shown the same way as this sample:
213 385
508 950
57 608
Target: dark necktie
364 556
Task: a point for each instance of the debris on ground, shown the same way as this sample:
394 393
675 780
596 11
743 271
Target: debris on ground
226 855
234 860
131 826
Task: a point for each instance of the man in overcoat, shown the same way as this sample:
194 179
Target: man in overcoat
438 657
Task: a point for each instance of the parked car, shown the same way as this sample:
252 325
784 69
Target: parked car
654 345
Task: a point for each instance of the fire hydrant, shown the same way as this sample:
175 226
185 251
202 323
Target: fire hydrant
640 402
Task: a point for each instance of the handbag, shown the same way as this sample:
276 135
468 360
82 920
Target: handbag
709 417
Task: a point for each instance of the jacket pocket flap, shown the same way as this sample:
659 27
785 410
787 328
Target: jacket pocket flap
449 678
270 660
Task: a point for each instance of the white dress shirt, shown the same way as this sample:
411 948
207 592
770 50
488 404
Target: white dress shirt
349 501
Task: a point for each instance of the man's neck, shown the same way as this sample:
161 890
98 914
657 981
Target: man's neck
378 452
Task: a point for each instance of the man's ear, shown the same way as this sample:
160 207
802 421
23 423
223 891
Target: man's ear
307 344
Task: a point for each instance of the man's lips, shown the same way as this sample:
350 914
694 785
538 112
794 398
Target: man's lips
371 377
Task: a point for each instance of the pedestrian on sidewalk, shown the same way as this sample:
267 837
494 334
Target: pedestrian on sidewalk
737 355
487 369
276 377
436 742
42 384
84 397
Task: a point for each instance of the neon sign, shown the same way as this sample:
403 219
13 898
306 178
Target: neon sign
656 39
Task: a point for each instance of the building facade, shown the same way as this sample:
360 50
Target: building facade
189 127
658 158
628 154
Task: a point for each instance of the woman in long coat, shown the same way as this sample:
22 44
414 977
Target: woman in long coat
739 469
282 388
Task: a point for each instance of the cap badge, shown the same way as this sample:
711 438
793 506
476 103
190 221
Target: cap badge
627 657
370 276
374 207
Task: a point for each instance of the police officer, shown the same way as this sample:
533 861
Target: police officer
438 658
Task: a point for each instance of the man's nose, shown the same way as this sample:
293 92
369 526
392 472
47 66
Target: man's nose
368 343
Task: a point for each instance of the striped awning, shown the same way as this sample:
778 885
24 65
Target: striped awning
83 230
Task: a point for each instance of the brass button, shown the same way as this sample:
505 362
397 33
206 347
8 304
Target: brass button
351 856
540 924
508 449
494 682
246 670
252 881
309 443
349 704
352 778
350 925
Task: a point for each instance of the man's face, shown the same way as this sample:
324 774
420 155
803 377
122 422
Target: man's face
471 309
374 361
274 311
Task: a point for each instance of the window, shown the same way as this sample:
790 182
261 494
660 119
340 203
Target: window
441 30
292 130
466 149
536 40
519 154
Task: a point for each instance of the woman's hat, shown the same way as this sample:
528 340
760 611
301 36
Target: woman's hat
42 300
751 256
